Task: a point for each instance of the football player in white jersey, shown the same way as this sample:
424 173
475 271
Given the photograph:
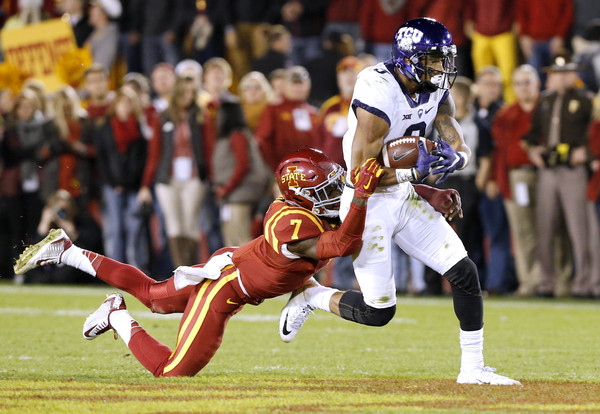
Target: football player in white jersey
406 95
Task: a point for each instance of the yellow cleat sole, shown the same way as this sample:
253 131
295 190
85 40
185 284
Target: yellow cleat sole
22 265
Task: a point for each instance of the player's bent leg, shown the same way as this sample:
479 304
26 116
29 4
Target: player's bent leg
349 305
466 294
56 248
428 237
210 306
353 308
159 297
202 326
113 314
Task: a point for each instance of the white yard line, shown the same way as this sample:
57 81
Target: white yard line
83 313
446 301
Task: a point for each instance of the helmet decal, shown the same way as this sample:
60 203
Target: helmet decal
292 176
407 36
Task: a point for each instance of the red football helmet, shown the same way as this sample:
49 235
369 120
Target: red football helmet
308 178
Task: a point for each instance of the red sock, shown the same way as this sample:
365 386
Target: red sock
94 258
123 276
152 354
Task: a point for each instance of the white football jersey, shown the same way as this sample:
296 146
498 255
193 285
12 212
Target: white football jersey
379 91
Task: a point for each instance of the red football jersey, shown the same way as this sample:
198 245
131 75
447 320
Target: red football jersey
265 270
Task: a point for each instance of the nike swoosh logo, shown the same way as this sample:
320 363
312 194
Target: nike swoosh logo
427 110
399 157
366 186
285 329
231 303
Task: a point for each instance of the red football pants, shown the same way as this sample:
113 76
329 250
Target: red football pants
206 309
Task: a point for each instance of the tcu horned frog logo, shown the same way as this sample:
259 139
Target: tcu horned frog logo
407 36
292 176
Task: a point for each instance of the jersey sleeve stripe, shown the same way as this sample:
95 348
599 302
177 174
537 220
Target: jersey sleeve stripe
310 215
267 231
196 327
444 97
377 112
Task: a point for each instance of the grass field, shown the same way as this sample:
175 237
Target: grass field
333 366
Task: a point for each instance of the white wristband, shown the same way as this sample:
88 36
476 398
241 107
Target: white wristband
405 174
465 159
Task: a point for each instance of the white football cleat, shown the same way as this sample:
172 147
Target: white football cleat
484 375
48 251
293 315
98 322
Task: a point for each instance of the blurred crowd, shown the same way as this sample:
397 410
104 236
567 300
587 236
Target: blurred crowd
163 149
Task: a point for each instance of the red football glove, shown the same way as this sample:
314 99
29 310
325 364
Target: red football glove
366 178
446 202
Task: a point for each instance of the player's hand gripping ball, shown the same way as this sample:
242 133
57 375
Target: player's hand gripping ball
366 177
449 161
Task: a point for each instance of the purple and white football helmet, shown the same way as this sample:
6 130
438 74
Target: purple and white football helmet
419 40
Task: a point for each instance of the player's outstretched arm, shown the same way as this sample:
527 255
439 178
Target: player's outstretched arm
347 238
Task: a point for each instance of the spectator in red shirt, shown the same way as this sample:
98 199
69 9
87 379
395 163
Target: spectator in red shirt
543 27
291 124
490 26
516 177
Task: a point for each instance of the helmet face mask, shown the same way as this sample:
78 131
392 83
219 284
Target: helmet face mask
327 195
309 179
423 52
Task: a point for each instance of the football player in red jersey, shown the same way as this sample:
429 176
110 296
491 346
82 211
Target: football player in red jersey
301 233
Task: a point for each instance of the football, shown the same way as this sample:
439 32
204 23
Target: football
403 152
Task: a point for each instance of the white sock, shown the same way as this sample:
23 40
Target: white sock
75 257
121 322
471 344
318 296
